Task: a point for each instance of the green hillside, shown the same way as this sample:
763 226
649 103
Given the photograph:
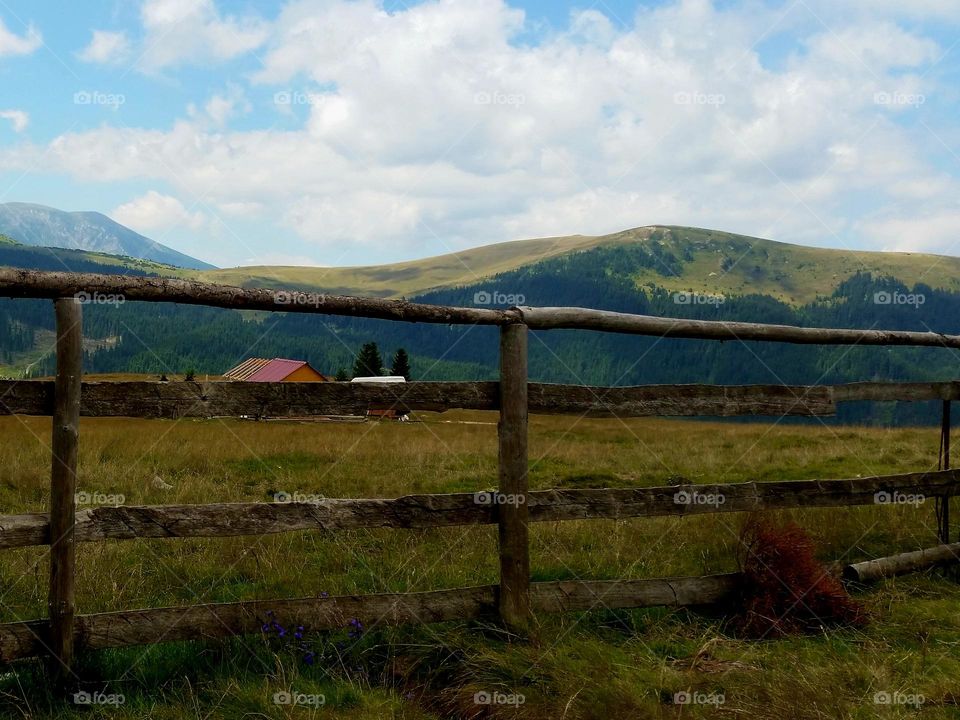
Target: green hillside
710 261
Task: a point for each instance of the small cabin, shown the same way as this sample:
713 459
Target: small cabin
275 370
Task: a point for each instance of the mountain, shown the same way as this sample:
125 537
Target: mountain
671 257
45 226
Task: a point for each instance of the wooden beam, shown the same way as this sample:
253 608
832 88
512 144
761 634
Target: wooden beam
896 391
40 284
513 598
457 509
901 564
140 627
681 400
943 503
548 318
153 399
63 487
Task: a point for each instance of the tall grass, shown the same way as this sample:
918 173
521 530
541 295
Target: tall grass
599 664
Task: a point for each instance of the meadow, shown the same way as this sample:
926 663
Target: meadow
601 664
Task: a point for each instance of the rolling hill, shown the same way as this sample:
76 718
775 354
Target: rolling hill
40 225
707 261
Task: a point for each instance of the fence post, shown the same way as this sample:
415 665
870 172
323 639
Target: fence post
943 514
63 486
513 598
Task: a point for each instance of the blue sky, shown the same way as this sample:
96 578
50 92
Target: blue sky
330 132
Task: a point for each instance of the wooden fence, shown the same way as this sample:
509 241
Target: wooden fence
515 597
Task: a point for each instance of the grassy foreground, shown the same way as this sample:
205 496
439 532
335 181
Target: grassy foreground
602 664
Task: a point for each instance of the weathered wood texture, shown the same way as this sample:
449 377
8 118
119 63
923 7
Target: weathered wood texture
513 599
547 318
943 503
890 391
902 564
231 399
61 604
444 510
139 627
41 284
153 399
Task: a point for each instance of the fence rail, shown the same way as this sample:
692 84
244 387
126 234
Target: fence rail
154 399
126 522
511 601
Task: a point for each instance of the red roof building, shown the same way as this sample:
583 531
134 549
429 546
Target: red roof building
275 370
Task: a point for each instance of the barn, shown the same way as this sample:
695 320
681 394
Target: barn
275 370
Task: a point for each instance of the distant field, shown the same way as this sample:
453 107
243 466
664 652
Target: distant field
603 664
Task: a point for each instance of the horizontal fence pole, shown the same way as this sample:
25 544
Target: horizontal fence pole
18 283
40 284
457 509
141 627
549 318
903 563
153 399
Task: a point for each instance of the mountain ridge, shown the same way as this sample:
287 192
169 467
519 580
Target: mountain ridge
43 226
702 260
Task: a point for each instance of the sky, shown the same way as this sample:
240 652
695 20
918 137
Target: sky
334 132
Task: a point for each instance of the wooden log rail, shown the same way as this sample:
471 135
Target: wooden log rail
140 627
151 399
18 283
456 509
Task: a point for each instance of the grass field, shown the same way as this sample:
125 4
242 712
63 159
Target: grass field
602 664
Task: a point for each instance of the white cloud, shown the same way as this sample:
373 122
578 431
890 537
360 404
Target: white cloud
157 212
934 233
428 128
18 119
106 47
181 31
13 44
